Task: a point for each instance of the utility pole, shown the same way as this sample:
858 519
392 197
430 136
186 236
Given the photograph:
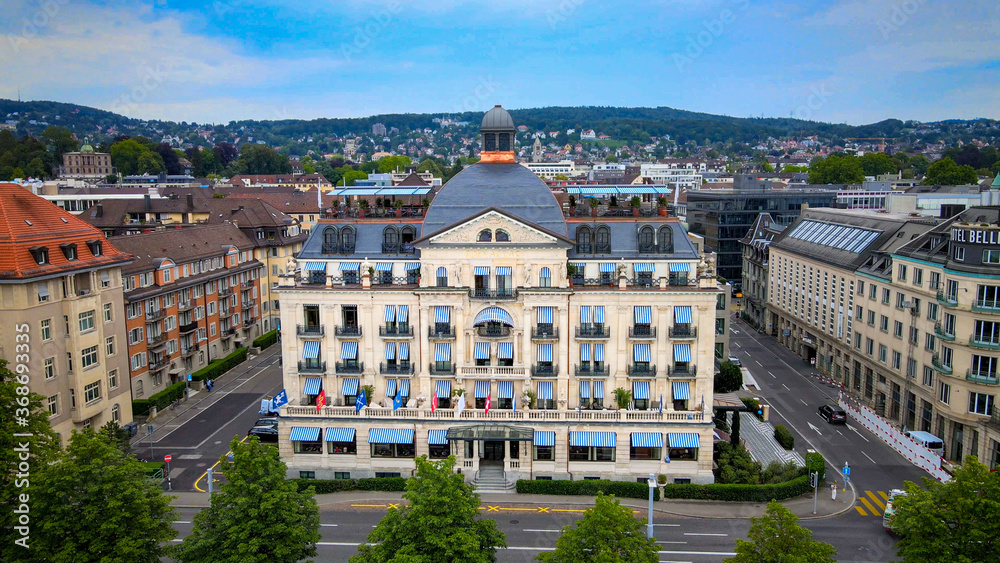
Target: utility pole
649 521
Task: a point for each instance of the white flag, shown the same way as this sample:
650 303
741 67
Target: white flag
461 404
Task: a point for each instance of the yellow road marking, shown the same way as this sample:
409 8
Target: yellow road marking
861 510
876 500
884 496
205 474
393 505
520 509
370 505
567 510
868 505
492 509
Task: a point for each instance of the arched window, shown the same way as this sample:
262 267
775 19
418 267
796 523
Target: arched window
406 237
490 142
390 240
502 236
330 242
116 415
544 278
442 277
348 238
505 141
583 242
665 240
485 235
647 239
603 240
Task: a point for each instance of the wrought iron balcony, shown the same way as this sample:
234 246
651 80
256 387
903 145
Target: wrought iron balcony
641 370
682 370
247 284
447 368
153 316
493 294
502 331
159 363
225 291
348 330
395 369
350 367
544 371
397 331
683 332
402 248
939 331
550 333
642 332
312 367
987 343
441 333
310 330
587 332
228 331
587 370
189 327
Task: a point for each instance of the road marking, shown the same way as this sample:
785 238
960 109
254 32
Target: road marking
839 432
803 401
668 525
182 521
772 375
535 548
543 509
567 510
869 458
328 525
546 531
786 387
492 509
758 363
370 505
391 505
861 510
875 499
711 535
520 509
673 542
884 496
205 474
814 428
856 432
868 505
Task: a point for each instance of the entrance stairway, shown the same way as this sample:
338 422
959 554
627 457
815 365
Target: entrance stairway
492 479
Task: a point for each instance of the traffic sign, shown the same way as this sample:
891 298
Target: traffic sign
167 458
847 470
189 377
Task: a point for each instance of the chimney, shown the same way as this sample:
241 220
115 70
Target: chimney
148 205
100 210
190 201
233 211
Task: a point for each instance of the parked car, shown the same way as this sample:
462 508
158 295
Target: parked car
264 433
269 421
833 415
736 361
890 511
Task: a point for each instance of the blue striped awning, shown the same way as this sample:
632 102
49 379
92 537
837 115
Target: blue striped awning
640 352
644 267
643 315
592 439
545 390
684 440
403 313
640 390
682 391
482 351
544 352
598 389
442 352
443 388
493 314
683 267
585 389
383 266
349 266
404 387
410 266
442 272
482 389
682 315
390 387
390 313
350 387
599 352
544 438
390 436
315 266
607 268
304 434
481 271
585 352
404 350
339 434
682 352
545 273
647 440
503 270
442 314
579 267
545 315
585 315
349 350
599 314
312 386
310 350
505 350
505 389
437 438
390 350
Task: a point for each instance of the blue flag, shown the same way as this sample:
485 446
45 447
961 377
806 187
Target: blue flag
661 403
397 401
361 403
280 399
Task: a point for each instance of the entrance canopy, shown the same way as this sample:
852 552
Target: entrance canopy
491 432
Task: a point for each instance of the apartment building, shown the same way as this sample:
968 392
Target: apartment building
61 280
192 295
755 268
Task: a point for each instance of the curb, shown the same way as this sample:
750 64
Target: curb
842 511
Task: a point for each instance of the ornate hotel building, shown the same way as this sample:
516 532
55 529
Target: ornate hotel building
539 319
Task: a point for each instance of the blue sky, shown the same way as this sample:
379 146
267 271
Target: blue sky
854 61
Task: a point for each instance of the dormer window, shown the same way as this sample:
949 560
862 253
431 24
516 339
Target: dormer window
40 254
69 250
95 247
485 235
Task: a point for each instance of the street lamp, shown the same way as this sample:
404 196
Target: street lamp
649 520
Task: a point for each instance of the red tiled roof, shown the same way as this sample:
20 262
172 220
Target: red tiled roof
27 221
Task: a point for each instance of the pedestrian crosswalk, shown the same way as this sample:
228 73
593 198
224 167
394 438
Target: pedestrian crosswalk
871 503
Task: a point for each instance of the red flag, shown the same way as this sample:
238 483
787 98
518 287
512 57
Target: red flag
434 402
487 404
320 400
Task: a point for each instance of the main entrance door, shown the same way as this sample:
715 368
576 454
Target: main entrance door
493 450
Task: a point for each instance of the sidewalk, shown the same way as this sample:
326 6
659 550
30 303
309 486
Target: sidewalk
800 506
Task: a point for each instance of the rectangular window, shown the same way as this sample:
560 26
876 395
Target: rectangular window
883 323
86 320
960 253
339 448
53 405
897 360
308 447
928 376
88 357
107 313
872 291
861 288
166 275
932 311
92 392
109 346
886 296
211 329
897 329
591 453
46 329
930 341
113 379
980 403
869 346
918 276
644 453
138 361
946 356
882 353
393 450
991 257
341 474
857 341
901 276
135 336
50 368
544 453
944 392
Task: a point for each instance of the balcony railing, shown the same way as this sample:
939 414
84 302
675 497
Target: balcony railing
639 370
936 360
544 371
493 294
404 331
246 305
689 370
989 344
225 291
551 333
184 306
446 369
395 369
347 367
189 350
247 284
310 330
439 333
493 371
586 332
160 363
683 332
642 332
939 331
153 316
312 367
405 248
947 300
226 313
987 377
986 306
189 327
156 340
591 416
587 370
228 331
348 331
502 331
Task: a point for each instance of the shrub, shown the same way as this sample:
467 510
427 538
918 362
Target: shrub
151 467
661 479
816 462
753 405
729 378
163 399
266 339
219 367
784 437
777 472
140 407
324 486
743 493
621 489
735 466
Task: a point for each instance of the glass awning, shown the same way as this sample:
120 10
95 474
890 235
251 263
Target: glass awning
491 432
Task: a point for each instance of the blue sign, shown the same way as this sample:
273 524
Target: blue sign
847 470
189 377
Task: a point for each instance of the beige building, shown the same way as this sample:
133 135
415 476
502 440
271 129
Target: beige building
61 280
904 311
86 165
536 319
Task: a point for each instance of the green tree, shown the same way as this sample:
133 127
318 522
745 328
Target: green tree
391 163
920 164
116 436
125 156
735 466
791 168
308 164
256 515
61 139
150 163
945 172
93 503
953 521
836 169
440 523
729 378
432 166
876 163
607 533
776 537
261 159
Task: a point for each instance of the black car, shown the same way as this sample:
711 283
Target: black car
269 421
264 433
833 415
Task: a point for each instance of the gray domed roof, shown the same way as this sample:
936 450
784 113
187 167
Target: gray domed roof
497 118
509 187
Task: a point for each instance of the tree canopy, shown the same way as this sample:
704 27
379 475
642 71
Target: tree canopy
945 172
876 163
261 159
729 378
607 532
440 523
132 156
776 537
836 169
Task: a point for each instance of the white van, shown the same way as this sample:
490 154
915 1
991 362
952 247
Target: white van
927 440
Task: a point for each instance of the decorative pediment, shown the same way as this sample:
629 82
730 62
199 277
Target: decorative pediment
497 225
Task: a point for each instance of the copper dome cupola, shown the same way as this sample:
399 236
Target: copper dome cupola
498 136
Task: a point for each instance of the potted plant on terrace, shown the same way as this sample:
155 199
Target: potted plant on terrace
636 203
369 393
661 206
572 204
362 207
593 207
622 397
614 202
398 204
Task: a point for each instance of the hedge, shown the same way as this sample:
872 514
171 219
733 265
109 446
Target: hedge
324 486
266 339
140 407
151 467
784 437
741 493
816 462
161 400
589 487
219 367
